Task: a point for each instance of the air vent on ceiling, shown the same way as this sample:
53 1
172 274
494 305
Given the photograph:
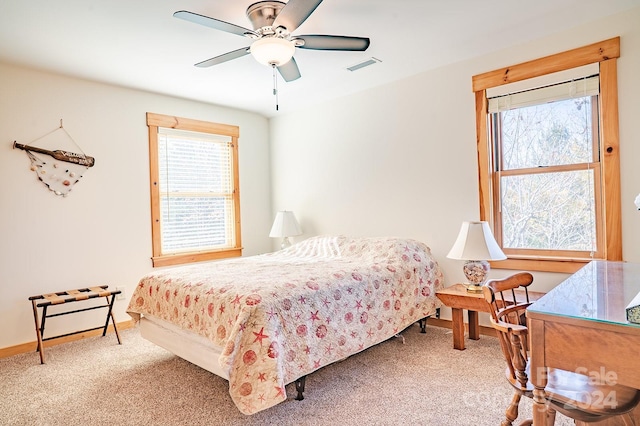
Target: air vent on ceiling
364 64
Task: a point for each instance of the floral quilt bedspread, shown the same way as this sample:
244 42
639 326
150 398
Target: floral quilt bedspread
280 316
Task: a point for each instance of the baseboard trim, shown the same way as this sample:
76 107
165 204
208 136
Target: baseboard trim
32 346
439 322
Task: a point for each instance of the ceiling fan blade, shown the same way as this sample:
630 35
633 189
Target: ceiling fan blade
289 71
234 54
333 42
213 23
295 13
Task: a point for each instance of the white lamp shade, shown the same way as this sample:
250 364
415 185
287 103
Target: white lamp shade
638 201
285 225
272 50
475 242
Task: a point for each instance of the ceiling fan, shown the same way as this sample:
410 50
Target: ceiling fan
273 43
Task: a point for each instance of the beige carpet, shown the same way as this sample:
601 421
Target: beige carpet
422 381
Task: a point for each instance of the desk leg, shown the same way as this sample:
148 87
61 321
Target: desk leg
538 373
474 328
458 328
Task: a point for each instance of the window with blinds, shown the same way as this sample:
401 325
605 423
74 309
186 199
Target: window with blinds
549 158
195 199
547 170
196 191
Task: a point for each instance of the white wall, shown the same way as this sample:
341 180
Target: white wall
100 233
401 159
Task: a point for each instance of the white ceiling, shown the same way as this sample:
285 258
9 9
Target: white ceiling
139 44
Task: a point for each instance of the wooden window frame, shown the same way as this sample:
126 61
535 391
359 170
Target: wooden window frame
158 120
605 54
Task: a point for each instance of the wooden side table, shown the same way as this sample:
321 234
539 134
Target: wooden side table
458 298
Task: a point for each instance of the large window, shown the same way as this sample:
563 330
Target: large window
548 159
195 207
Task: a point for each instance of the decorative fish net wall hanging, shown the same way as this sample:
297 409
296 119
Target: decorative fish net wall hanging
59 170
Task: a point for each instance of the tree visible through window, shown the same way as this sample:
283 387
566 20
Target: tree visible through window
194 190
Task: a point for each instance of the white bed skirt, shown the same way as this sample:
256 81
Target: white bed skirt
183 343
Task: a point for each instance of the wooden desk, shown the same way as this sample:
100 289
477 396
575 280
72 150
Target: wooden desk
458 298
581 326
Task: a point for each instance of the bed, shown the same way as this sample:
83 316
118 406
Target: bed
265 321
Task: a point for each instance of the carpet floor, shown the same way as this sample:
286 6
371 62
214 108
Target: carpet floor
417 379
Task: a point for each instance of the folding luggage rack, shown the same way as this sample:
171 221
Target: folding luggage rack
69 296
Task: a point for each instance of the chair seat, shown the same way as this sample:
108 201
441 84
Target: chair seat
580 396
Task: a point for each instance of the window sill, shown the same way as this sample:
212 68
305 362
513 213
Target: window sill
178 259
568 266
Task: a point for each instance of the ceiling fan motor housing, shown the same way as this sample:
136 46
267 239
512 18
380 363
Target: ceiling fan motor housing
263 13
273 44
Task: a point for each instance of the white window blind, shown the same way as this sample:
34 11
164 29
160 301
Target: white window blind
588 86
196 191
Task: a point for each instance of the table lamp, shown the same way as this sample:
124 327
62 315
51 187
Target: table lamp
476 245
284 226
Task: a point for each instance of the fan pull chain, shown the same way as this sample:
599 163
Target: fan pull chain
275 84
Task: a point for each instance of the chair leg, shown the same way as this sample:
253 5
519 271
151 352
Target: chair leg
551 416
512 411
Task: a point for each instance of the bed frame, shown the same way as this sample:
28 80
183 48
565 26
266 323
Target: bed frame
202 352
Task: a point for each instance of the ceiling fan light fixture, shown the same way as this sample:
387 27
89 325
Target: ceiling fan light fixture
272 51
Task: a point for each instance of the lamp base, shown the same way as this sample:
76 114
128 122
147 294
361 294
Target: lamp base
474 288
285 243
476 272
